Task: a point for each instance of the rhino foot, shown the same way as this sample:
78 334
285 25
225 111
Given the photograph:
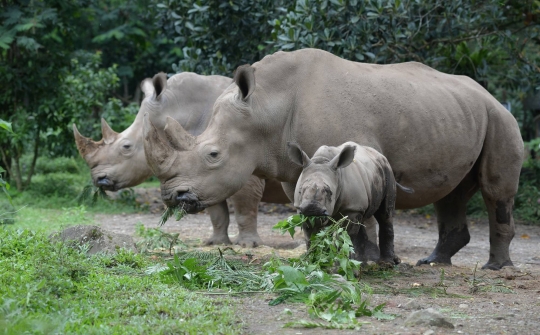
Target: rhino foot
388 262
490 265
372 251
438 259
216 240
248 241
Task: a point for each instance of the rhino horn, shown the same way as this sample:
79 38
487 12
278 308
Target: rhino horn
85 145
158 154
177 136
297 155
108 134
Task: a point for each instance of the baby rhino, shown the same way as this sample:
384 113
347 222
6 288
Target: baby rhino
349 180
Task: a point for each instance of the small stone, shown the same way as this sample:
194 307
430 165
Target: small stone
463 306
411 305
428 317
429 332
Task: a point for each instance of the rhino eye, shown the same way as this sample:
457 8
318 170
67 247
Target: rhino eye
214 154
127 146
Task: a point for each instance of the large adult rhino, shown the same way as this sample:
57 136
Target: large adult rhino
444 135
118 160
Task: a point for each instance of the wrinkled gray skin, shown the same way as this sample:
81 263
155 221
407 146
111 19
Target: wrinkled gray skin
118 160
349 180
445 137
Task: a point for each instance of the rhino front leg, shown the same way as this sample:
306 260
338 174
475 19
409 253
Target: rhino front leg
384 216
372 250
219 215
246 206
452 222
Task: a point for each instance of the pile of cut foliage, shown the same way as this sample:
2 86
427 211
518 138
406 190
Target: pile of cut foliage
323 278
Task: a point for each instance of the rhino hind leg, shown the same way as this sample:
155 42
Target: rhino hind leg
246 206
452 222
498 175
219 215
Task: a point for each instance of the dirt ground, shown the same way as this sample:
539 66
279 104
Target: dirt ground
488 302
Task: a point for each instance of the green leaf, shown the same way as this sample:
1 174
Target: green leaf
293 277
6 125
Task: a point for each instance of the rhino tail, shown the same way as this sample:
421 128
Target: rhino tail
405 189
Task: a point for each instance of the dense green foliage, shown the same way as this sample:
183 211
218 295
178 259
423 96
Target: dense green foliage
49 288
217 36
73 61
50 64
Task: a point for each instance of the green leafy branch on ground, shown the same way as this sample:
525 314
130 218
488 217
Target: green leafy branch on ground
334 298
330 249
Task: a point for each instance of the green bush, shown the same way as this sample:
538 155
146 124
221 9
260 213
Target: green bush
46 165
527 201
60 184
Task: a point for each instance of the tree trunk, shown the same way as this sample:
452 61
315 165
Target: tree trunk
18 176
34 159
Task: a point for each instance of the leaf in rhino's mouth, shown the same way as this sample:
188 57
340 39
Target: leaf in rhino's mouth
86 194
177 211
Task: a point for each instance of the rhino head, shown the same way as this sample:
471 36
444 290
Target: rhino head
319 183
117 161
199 171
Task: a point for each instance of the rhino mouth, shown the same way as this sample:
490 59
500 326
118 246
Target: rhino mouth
193 207
188 201
106 184
313 209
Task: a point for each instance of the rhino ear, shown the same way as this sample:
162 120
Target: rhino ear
296 154
108 134
177 136
344 158
147 87
160 84
159 155
244 77
85 145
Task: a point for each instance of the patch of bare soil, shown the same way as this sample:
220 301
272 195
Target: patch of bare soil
481 302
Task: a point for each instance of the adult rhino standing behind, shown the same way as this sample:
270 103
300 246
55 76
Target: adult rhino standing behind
444 135
118 160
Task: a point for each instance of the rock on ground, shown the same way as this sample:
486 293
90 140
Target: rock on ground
428 317
97 238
